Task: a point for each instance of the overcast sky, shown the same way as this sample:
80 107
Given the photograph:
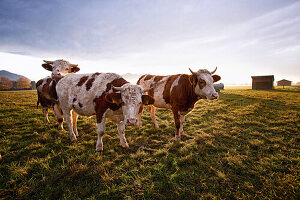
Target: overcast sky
241 37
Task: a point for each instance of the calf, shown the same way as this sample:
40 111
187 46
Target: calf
46 87
106 95
179 93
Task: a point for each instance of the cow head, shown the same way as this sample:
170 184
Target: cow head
60 68
130 97
203 83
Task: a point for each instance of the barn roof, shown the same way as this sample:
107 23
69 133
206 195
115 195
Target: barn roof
263 77
283 80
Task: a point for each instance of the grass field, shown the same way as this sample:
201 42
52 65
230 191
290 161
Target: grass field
244 145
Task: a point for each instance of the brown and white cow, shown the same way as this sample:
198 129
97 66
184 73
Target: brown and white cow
106 95
179 93
46 87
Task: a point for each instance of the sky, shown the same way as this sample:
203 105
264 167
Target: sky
243 38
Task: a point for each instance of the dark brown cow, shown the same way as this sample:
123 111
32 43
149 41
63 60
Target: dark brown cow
179 93
46 87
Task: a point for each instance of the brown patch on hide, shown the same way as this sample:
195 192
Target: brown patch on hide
101 105
89 83
148 77
82 80
47 93
96 74
166 92
158 78
39 83
201 83
117 83
138 82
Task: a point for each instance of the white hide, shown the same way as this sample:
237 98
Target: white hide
61 67
208 91
158 90
67 91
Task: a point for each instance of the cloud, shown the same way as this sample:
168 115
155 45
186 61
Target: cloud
156 36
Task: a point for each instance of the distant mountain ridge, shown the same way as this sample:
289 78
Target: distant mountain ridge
10 75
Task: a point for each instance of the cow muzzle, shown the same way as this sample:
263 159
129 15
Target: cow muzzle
214 96
56 76
131 121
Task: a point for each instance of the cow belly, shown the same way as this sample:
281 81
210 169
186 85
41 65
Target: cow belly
83 105
160 103
84 112
159 100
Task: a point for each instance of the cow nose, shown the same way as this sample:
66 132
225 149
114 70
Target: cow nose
131 121
214 96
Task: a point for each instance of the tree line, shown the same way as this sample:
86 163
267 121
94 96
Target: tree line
21 83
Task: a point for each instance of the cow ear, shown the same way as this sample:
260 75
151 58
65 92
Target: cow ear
113 98
47 67
147 100
216 78
74 68
193 79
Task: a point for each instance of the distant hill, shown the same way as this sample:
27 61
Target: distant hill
11 76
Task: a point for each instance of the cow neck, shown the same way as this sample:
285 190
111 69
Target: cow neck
53 89
189 92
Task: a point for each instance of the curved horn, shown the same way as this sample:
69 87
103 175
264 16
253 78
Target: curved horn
214 71
117 88
194 73
48 62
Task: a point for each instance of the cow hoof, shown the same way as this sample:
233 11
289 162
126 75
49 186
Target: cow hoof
157 127
177 138
74 139
99 151
125 146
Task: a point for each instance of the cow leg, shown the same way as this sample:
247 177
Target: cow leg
68 118
45 112
121 130
100 132
152 114
75 117
182 119
139 123
59 116
177 125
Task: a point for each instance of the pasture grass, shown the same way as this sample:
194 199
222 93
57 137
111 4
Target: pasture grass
245 145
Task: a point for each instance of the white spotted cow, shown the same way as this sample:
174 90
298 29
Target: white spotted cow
106 95
46 87
179 93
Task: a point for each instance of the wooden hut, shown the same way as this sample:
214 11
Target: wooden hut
263 82
284 82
